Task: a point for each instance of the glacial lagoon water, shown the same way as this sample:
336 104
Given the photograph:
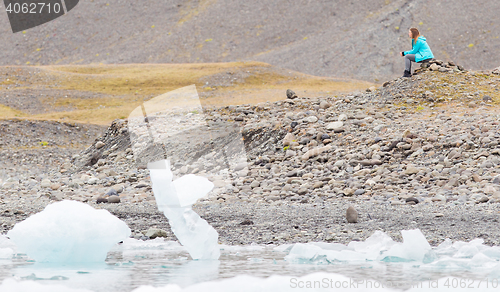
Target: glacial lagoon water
159 263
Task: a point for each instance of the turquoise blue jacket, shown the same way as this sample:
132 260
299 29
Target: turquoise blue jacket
420 49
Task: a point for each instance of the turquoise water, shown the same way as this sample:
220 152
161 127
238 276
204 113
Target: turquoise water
157 263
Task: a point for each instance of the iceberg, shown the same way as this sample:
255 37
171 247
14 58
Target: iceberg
174 199
7 248
379 247
414 247
69 232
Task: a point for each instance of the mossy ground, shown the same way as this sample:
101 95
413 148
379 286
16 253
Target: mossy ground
113 91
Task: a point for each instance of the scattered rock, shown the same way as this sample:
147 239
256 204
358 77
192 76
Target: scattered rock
351 215
46 183
412 199
289 138
335 126
101 200
99 144
153 233
247 222
114 199
112 192
290 94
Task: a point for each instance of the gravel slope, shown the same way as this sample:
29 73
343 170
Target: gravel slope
308 160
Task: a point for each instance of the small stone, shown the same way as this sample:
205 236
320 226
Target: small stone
255 184
302 191
371 89
335 125
293 124
55 186
434 67
496 180
247 222
311 119
324 104
487 98
114 199
304 141
325 136
292 173
112 192
289 138
101 200
359 192
290 94
476 177
240 166
412 199
92 181
153 233
318 184
351 215
99 144
315 152
411 170
348 192
46 183
483 199
438 215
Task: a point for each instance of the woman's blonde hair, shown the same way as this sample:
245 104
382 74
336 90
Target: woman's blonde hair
414 34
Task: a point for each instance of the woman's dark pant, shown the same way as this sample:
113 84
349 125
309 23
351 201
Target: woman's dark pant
408 59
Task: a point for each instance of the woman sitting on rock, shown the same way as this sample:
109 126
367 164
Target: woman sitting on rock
420 51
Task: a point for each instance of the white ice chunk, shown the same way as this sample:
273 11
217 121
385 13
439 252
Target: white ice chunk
190 188
329 246
480 260
11 285
7 248
468 250
445 248
493 252
303 252
182 192
175 199
70 232
374 245
6 253
413 248
158 243
313 253
194 233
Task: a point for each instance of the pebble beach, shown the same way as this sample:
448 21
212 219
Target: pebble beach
420 152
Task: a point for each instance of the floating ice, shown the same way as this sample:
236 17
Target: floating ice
174 199
7 248
414 248
69 232
473 255
11 285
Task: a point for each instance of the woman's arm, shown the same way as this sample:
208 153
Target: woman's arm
415 49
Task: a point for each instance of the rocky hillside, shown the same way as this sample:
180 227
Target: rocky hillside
420 152
433 137
357 39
